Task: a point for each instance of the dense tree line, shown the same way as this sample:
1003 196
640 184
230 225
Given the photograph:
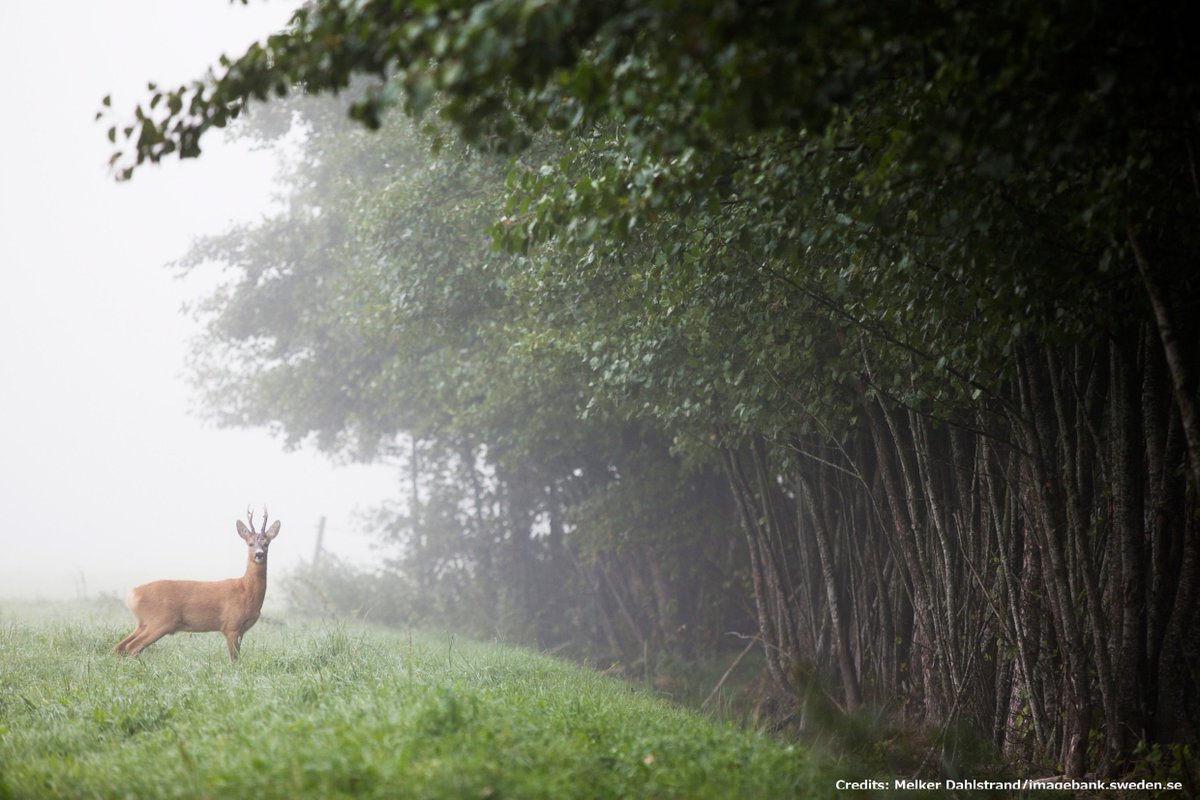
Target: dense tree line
905 296
379 321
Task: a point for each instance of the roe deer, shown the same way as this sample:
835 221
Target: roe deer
231 606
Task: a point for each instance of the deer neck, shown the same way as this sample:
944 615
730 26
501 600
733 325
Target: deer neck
255 578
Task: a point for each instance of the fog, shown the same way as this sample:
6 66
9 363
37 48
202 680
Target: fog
108 476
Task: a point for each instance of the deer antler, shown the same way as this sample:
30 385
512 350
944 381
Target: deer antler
250 517
264 529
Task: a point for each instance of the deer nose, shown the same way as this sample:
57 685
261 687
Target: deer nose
259 555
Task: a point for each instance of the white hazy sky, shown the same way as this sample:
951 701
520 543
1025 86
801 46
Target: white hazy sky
105 474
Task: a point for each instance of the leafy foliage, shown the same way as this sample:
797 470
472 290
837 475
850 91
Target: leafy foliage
875 262
379 321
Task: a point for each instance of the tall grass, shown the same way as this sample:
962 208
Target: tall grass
351 711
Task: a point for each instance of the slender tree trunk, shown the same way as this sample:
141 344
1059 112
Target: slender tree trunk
906 541
1069 431
838 616
1177 363
1125 483
1039 430
777 662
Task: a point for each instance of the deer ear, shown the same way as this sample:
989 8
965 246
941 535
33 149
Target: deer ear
243 531
272 531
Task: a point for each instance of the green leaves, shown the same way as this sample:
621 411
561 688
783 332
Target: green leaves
725 223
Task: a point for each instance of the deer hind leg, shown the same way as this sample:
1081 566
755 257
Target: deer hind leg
123 645
148 637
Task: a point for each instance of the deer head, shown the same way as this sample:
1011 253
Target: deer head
260 541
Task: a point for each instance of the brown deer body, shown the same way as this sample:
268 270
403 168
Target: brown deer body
230 606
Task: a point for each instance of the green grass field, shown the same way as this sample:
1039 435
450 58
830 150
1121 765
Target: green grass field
350 711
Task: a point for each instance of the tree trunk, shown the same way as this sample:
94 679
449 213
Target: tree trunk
838 617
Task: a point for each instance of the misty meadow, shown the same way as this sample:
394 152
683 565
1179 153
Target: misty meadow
350 711
828 369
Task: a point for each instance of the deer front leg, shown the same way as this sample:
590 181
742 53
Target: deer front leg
233 641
